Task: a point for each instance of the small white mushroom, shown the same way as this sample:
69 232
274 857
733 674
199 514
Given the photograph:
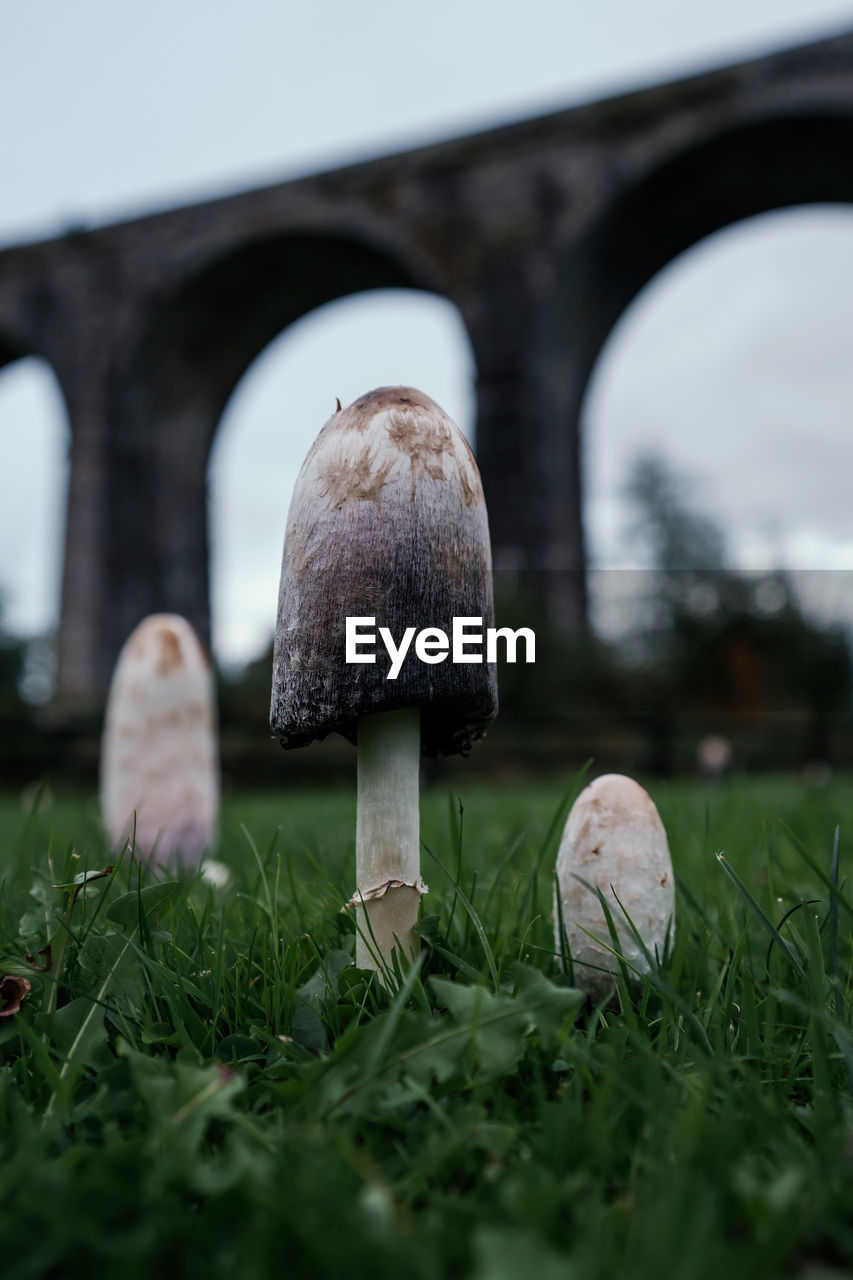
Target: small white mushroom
713 755
159 759
615 841
387 522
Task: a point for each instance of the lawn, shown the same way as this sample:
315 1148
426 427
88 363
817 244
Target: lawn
202 1083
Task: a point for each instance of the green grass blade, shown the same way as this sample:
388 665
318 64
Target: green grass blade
473 917
762 915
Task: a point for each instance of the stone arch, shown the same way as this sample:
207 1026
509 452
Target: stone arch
201 342
753 169
759 166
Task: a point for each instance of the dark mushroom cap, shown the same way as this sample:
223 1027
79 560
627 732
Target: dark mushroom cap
388 521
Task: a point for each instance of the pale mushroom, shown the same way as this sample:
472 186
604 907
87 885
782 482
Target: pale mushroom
159 759
615 843
387 522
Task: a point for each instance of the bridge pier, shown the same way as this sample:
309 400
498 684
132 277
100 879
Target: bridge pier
157 519
136 536
86 586
528 445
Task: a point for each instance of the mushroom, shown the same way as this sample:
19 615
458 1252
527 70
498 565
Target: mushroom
159 760
614 842
387 526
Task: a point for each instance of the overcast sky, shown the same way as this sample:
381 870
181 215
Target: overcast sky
733 363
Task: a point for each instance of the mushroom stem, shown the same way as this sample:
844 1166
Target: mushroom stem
387 839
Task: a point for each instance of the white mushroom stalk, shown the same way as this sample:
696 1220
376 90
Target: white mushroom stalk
614 843
159 758
387 835
387 525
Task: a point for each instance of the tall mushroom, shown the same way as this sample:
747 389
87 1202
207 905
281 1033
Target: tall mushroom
159 760
387 525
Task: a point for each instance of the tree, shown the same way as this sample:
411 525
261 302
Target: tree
733 648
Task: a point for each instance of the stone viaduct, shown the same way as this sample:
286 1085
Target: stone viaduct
541 233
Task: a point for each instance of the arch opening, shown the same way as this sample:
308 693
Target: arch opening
340 349
33 485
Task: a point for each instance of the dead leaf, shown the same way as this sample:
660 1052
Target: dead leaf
12 991
46 952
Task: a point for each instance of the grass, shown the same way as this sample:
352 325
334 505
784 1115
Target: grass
202 1083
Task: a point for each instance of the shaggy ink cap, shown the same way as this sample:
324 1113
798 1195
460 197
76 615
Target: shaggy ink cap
387 522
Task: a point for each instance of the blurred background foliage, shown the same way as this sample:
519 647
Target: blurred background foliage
706 668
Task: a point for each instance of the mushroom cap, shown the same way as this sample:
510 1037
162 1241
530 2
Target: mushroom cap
159 757
387 521
613 839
